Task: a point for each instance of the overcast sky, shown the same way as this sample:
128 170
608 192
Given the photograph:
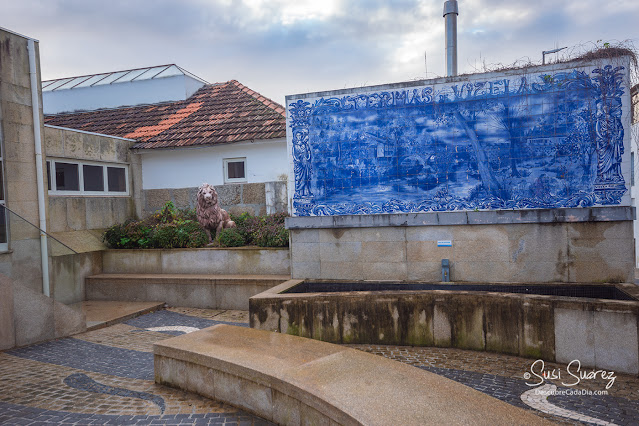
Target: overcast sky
282 47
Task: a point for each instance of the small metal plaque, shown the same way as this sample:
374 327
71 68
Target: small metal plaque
444 243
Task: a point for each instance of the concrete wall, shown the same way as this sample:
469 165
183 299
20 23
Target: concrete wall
76 212
266 161
559 245
228 261
69 272
22 263
599 333
255 198
27 315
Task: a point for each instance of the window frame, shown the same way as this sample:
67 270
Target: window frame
226 162
81 192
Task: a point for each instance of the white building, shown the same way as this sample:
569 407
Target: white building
187 132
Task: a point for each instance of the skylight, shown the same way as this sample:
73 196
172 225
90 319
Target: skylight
137 74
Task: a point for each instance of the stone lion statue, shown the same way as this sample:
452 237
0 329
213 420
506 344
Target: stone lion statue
212 218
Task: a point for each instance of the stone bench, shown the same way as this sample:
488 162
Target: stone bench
293 380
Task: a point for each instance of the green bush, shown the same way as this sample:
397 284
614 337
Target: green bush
167 228
262 231
231 237
271 236
170 227
130 234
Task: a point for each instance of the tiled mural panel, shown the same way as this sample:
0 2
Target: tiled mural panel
549 139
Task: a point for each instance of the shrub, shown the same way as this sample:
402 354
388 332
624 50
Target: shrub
242 222
179 234
271 235
231 237
170 227
130 234
166 228
262 231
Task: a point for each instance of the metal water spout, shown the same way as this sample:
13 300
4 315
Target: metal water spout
451 11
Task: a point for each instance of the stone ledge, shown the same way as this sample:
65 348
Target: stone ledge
292 380
188 290
496 217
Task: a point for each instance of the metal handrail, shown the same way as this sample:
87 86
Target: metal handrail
38 228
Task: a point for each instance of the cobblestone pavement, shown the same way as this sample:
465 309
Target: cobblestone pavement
106 377
502 377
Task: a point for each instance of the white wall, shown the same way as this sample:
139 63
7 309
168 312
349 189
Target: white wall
185 167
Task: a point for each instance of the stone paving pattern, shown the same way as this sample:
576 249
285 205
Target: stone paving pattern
106 376
501 376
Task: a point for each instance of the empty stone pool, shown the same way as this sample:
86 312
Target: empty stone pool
591 291
595 323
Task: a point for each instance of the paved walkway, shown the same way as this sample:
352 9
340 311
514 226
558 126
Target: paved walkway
106 376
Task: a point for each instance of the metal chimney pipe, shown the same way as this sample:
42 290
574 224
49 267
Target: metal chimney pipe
450 15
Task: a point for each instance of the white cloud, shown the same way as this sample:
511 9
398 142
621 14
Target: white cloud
280 47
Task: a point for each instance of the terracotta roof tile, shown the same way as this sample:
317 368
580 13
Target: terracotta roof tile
215 114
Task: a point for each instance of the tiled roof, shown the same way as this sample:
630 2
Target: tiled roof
215 114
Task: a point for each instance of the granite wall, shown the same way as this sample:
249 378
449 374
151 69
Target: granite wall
255 198
26 314
22 261
545 246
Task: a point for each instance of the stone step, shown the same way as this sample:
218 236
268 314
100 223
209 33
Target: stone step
292 380
186 290
104 313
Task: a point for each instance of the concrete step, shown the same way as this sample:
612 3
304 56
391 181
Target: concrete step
186 290
100 314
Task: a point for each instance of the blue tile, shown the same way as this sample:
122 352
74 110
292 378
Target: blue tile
539 141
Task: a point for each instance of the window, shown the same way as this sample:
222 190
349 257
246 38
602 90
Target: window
117 179
66 177
93 178
235 170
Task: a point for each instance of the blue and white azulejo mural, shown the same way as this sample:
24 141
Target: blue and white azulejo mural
549 138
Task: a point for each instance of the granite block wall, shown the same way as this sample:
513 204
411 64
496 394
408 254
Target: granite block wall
22 259
255 198
27 316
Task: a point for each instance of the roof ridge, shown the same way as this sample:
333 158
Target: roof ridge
259 97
